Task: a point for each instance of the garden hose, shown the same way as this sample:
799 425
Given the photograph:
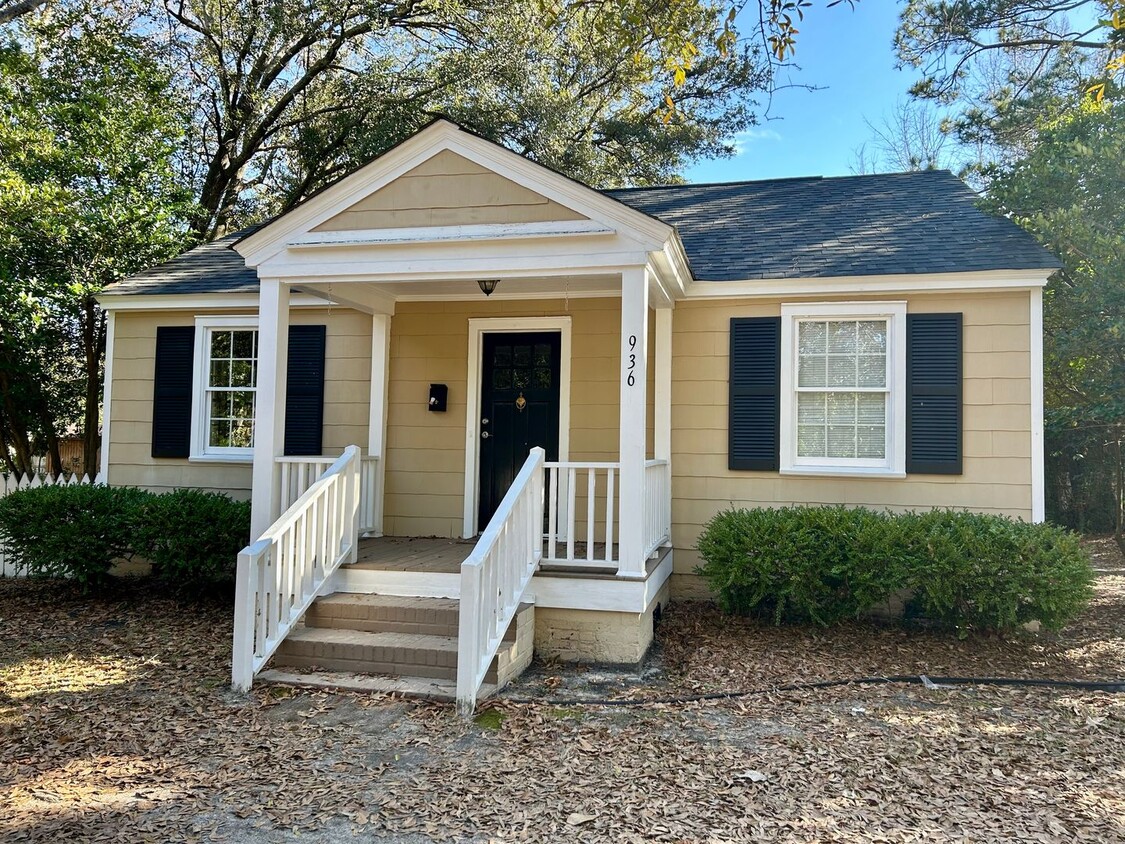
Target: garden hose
1115 686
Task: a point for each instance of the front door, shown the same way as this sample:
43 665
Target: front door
519 401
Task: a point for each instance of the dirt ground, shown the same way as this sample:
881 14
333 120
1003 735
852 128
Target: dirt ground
116 724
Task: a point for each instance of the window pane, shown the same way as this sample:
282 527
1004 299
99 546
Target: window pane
502 356
220 405
810 440
542 377
811 372
521 378
242 434
810 408
841 408
242 345
521 355
871 408
872 371
241 373
542 354
873 337
841 441
842 337
871 441
220 344
841 371
219 434
220 373
813 338
502 378
242 404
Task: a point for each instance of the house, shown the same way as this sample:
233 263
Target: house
480 406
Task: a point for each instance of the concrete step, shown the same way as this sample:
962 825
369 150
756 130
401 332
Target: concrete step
385 614
418 687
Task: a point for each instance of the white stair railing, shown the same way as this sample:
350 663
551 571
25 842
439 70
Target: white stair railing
496 575
592 481
658 529
282 573
299 473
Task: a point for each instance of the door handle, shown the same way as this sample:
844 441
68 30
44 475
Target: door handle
484 435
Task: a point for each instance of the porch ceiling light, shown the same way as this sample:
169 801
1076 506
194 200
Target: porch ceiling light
487 285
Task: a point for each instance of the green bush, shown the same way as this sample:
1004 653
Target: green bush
70 531
974 571
192 537
826 564
820 564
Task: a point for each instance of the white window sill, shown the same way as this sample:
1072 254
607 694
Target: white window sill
841 472
222 458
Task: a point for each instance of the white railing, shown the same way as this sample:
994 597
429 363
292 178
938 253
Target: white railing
299 473
658 529
592 481
15 483
496 575
281 573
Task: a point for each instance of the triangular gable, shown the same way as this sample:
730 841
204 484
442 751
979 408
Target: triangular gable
448 190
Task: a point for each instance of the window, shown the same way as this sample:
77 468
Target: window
226 376
843 391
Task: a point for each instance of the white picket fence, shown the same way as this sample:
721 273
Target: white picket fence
11 483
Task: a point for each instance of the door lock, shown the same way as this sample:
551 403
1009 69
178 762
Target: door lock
484 435
484 421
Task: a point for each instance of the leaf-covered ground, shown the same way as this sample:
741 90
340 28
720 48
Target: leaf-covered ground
116 725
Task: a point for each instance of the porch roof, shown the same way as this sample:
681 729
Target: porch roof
899 223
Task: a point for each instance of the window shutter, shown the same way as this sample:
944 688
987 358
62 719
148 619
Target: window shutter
304 391
933 394
754 419
171 391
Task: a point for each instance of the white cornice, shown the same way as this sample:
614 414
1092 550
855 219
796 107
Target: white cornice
436 234
880 284
196 301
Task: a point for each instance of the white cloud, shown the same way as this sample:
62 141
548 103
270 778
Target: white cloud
746 137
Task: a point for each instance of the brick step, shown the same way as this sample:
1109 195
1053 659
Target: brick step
385 614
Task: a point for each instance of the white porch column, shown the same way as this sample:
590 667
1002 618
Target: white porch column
662 402
634 382
269 415
377 419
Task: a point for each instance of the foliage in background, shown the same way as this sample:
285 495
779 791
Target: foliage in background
88 193
70 531
1069 191
828 564
191 537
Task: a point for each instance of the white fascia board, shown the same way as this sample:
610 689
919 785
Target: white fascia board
995 280
196 301
441 136
436 234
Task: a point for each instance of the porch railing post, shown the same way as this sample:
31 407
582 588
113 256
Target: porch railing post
634 384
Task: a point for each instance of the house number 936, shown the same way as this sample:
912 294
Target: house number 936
631 378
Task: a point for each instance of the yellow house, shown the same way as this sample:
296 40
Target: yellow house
481 408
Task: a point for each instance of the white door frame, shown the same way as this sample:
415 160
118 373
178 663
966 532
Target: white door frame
507 325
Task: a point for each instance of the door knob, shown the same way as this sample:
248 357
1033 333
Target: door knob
484 421
484 435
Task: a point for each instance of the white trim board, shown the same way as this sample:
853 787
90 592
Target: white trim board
107 393
506 325
997 280
1038 483
435 234
198 301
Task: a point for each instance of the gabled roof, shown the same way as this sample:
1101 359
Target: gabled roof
889 224
899 223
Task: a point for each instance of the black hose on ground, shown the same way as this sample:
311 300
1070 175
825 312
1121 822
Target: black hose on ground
918 680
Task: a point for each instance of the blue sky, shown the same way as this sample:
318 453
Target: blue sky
849 55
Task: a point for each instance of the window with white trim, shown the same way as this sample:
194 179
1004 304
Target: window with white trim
843 392
225 378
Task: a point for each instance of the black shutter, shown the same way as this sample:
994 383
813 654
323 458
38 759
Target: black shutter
754 418
171 391
933 394
304 390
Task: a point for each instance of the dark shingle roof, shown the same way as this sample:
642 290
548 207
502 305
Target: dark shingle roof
210 268
898 223
924 222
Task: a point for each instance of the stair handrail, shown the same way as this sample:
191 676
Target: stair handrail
496 575
282 572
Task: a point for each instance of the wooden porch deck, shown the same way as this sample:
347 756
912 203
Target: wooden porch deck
434 555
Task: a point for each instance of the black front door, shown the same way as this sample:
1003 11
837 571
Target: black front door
519 402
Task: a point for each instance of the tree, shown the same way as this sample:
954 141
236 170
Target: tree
12 9
1069 193
88 139
912 137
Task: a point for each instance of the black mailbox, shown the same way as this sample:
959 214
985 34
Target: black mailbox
439 397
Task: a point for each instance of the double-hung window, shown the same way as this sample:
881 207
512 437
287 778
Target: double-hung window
226 377
843 388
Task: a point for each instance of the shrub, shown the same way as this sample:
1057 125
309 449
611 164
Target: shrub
70 531
192 537
825 564
987 572
820 564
